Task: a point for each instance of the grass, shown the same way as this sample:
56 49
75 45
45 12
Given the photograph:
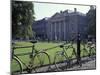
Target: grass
40 46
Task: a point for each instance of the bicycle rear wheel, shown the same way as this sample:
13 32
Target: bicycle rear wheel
41 62
61 62
16 66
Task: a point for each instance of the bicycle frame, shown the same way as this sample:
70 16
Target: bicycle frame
66 48
30 67
31 54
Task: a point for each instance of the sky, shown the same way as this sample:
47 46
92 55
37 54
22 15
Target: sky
47 9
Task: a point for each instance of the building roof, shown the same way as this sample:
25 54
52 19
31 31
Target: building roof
66 13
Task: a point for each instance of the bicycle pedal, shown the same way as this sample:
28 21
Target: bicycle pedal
31 56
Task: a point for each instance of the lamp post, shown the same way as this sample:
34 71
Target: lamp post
78 49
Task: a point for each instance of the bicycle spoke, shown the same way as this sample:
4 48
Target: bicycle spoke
60 62
16 67
41 62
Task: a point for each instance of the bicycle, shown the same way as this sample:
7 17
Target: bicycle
62 60
84 50
92 48
89 49
34 64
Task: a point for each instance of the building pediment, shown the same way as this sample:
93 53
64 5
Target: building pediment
57 15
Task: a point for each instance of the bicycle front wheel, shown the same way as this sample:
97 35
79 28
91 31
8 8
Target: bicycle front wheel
41 62
84 52
92 51
60 62
16 66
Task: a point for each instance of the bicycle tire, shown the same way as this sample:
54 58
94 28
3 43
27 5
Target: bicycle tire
72 50
16 66
41 62
61 62
84 52
92 51
73 54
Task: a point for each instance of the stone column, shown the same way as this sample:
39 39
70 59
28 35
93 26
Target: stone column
60 31
51 31
55 32
64 30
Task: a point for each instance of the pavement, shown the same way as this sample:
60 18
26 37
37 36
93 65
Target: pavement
90 64
87 63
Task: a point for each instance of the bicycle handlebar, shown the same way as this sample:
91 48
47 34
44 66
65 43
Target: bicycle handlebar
35 41
23 47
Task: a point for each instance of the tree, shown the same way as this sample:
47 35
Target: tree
91 18
22 19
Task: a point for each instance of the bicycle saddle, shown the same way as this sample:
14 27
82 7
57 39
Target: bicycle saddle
35 41
61 46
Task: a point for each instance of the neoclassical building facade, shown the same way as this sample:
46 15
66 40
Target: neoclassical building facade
65 25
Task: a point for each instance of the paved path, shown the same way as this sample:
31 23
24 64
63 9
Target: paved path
87 63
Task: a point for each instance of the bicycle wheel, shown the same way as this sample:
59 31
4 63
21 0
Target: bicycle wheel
92 51
72 53
41 62
84 52
61 62
16 66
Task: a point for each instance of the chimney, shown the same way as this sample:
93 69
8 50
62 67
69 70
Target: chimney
61 12
75 10
66 11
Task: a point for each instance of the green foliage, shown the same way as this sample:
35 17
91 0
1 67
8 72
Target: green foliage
22 19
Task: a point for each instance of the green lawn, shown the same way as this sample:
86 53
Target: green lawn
40 46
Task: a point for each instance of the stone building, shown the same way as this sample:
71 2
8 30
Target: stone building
39 27
64 25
